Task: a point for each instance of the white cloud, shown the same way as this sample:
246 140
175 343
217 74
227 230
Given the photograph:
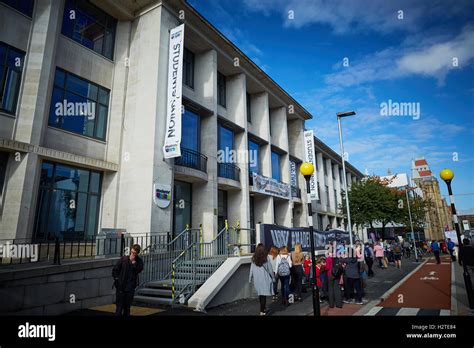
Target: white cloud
351 15
433 60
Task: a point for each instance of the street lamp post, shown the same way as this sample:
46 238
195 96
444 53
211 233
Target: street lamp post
339 115
447 175
411 225
307 170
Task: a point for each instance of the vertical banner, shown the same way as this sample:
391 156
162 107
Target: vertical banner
310 157
171 147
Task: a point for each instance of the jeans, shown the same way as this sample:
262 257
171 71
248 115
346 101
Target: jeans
263 302
351 284
451 252
275 286
298 277
370 262
285 287
123 302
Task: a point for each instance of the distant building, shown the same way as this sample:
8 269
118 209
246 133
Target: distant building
438 218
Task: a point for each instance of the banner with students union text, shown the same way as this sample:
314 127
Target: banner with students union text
172 144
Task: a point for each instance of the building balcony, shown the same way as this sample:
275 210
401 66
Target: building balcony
295 192
191 166
192 159
228 171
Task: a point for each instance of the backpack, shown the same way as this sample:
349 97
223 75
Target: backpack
337 269
397 249
284 267
367 253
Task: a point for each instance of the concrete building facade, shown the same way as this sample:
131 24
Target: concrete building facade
327 213
71 177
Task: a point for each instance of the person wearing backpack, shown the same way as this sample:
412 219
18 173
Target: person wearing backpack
283 266
334 272
369 258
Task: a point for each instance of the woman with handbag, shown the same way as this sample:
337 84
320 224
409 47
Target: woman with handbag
261 273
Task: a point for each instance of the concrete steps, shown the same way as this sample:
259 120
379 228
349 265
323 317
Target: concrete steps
159 292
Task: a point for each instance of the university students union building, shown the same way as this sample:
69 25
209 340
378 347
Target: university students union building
84 113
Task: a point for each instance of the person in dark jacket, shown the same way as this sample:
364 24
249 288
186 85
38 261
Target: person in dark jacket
352 273
125 273
451 246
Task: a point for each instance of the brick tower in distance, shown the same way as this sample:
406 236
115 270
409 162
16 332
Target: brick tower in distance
438 216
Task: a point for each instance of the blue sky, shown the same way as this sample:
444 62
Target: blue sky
424 55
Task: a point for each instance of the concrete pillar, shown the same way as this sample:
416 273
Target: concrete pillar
110 186
236 99
206 214
321 180
283 213
330 181
279 128
39 66
263 209
260 125
146 80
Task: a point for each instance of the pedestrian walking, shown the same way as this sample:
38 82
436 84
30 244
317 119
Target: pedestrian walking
397 255
407 248
297 260
352 273
320 269
261 274
334 272
369 258
379 254
272 255
283 265
451 246
435 248
125 274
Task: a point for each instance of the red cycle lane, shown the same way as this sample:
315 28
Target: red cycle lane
429 287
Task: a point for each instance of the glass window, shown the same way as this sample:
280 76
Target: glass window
89 26
221 89
319 193
254 157
325 166
182 213
190 138
276 173
249 109
327 195
188 68
68 202
226 142
23 6
79 106
335 199
11 68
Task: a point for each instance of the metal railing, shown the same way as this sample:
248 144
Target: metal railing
192 159
158 263
229 171
31 250
183 274
295 192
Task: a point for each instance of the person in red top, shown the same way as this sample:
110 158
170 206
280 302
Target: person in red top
320 269
307 268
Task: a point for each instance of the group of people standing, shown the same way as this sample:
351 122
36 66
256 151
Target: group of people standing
340 278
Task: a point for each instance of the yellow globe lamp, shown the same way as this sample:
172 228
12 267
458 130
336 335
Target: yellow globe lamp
446 174
307 169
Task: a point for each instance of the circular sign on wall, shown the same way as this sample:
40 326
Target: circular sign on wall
162 195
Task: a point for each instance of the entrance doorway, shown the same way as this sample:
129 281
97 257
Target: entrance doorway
222 209
182 206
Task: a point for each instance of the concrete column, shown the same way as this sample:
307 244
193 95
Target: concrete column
337 186
263 209
260 125
21 190
330 182
140 151
236 99
321 179
110 186
283 213
349 179
207 192
278 120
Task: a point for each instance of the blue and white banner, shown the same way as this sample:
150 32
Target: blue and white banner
280 236
172 144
